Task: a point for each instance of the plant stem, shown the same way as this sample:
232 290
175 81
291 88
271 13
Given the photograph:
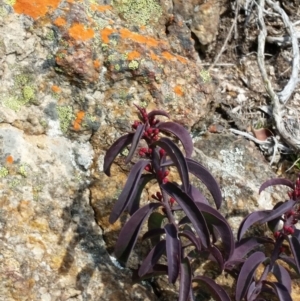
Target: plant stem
168 208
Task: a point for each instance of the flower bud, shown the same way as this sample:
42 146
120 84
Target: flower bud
162 152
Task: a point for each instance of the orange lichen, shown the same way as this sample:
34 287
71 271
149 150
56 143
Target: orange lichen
78 120
100 8
56 89
181 59
78 32
105 33
127 34
167 55
35 8
154 57
60 22
178 90
133 55
96 64
9 159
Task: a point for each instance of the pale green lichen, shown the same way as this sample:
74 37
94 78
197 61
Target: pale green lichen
205 76
21 79
65 115
22 93
117 67
50 35
3 172
3 12
138 12
133 65
10 2
23 170
28 93
14 183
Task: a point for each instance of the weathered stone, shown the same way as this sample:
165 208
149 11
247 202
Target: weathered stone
70 73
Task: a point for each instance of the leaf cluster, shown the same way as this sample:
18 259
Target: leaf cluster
201 228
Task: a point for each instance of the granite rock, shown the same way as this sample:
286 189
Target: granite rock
70 73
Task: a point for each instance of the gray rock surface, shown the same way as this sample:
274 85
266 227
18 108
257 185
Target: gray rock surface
70 73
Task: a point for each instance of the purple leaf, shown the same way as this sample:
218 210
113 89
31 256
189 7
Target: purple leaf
282 276
279 211
253 291
274 223
130 231
156 160
214 218
245 245
114 150
128 191
277 181
290 261
155 271
191 210
155 222
249 220
196 195
246 274
297 234
192 237
152 258
158 112
135 141
216 290
207 178
134 202
154 233
295 248
173 252
177 157
280 290
185 279
216 255
181 133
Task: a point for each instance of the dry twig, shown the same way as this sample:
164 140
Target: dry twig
282 97
227 38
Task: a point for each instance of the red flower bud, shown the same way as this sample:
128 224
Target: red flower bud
166 173
148 167
162 152
276 234
155 138
172 201
156 131
150 130
165 180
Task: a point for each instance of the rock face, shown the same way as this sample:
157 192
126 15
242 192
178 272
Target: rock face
70 73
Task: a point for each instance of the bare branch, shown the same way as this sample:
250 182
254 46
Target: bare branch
277 106
288 90
283 41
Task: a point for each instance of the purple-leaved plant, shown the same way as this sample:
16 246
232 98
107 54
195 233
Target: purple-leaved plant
281 220
201 229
